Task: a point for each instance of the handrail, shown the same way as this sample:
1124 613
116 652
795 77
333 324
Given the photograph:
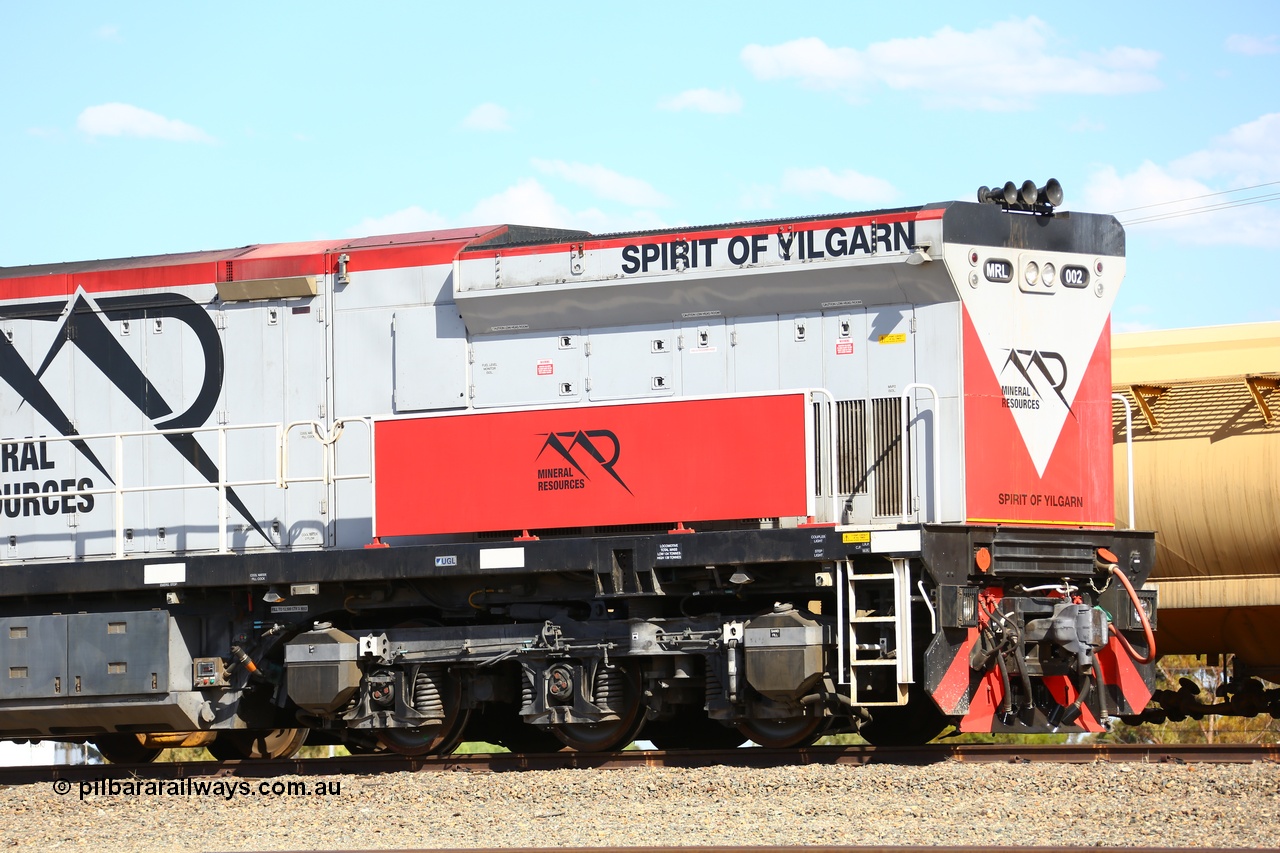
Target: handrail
222 485
906 467
1128 446
328 446
832 452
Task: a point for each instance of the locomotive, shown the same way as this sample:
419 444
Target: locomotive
761 480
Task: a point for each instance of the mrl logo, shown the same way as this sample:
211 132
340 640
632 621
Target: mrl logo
83 323
1041 371
572 474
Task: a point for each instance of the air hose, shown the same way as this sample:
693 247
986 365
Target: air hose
1142 615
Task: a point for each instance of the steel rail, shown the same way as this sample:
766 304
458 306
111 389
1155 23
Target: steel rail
819 848
367 765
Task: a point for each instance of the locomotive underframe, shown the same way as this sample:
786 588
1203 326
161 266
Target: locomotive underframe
704 637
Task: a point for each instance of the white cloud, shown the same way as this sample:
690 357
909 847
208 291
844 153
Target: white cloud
401 222
810 59
1252 45
108 32
604 183
846 185
951 68
487 117
127 120
1246 155
712 101
1198 198
526 202
757 197
1085 124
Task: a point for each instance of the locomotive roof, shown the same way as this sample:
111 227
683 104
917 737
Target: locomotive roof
260 261
982 223
483 237
259 250
482 244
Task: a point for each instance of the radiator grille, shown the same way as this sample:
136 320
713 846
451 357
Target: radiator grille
886 415
851 444
822 449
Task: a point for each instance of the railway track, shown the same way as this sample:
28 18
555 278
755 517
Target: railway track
366 765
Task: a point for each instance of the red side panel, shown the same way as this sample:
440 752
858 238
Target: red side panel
278 260
1064 693
625 464
1116 668
1002 483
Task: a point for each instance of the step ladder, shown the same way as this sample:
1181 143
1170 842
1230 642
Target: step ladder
848 663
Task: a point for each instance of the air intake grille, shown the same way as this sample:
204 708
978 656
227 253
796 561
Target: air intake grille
851 443
822 449
886 415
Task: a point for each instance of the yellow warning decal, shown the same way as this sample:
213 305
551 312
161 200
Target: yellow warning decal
853 538
898 338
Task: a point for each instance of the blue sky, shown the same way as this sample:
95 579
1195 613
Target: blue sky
147 128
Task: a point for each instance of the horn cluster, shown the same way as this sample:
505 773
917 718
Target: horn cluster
1026 197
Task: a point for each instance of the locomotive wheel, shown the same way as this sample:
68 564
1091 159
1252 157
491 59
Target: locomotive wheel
362 746
522 737
692 729
243 744
785 733
125 749
611 734
428 740
501 723
439 738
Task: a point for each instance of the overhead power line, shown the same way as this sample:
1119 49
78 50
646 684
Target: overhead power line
1263 198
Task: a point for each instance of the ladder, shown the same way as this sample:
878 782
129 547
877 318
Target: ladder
849 664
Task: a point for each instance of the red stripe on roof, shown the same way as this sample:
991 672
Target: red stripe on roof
275 260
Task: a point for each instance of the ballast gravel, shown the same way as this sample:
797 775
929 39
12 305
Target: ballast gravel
948 804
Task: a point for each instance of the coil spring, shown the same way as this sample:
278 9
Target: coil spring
610 688
426 691
526 695
715 687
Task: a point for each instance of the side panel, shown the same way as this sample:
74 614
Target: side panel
754 354
704 358
630 362
430 359
1037 383
527 371
1004 484
742 457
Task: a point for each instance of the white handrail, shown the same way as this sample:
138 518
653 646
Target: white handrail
1128 446
328 444
906 466
222 485
832 451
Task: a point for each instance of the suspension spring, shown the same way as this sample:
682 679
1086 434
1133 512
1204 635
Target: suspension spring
426 691
609 688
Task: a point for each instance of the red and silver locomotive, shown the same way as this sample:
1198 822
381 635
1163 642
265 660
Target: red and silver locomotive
537 487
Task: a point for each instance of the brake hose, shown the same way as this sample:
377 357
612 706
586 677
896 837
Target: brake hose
1142 615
